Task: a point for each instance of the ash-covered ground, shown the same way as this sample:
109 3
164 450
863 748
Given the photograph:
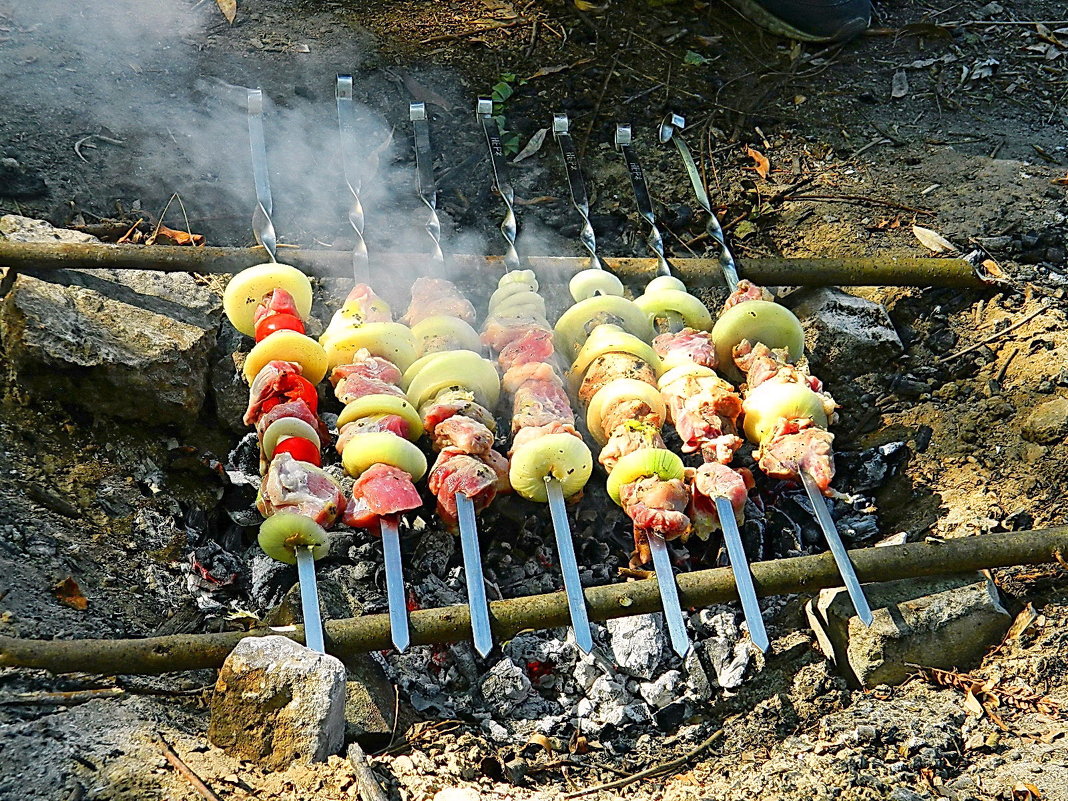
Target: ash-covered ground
961 431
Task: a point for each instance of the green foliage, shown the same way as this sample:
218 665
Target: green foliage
500 94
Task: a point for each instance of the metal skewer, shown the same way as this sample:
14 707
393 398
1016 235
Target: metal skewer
346 120
670 130
395 595
838 549
477 603
500 179
561 130
641 197
263 229
361 272
565 544
669 594
309 600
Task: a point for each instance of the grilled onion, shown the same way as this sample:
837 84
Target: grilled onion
287 346
287 427
370 405
611 339
757 321
682 371
643 464
561 456
443 332
622 389
520 304
456 368
248 288
391 341
574 325
664 282
382 447
664 302
280 534
592 283
773 401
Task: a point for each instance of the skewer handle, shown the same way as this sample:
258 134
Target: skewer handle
262 227
565 548
346 120
655 241
838 549
732 537
395 595
562 133
669 595
500 178
425 184
309 600
476 584
671 130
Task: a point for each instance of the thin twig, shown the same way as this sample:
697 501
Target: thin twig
366 781
185 771
860 199
597 107
448 37
994 336
666 767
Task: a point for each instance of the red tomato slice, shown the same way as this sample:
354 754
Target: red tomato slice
278 322
303 450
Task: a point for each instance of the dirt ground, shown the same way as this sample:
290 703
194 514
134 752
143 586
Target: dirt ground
951 117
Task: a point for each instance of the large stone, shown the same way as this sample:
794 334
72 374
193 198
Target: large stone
371 704
276 702
845 334
1047 422
637 644
132 344
944 622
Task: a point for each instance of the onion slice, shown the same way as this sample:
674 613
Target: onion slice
391 341
571 331
248 288
287 427
644 463
370 405
287 346
757 321
564 457
663 302
442 332
457 368
591 283
773 401
382 447
280 534
609 338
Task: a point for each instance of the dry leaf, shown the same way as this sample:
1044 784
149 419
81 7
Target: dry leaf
544 71
228 9
533 146
68 593
973 704
168 236
761 163
1028 616
1025 792
540 739
899 86
1060 181
932 240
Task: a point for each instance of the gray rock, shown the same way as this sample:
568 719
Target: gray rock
276 702
26 229
663 691
505 685
944 622
844 334
637 644
370 703
1047 422
132 344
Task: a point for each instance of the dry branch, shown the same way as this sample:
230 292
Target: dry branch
876 271
803 574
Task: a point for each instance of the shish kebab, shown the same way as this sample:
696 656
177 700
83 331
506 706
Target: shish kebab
442 381
613 375
786 409
550 463
270 302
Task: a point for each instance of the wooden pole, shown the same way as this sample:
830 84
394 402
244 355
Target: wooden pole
804 574
872 271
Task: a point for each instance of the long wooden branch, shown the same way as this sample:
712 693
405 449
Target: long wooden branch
804 574
873 271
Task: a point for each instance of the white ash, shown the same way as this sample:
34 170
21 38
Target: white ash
638 644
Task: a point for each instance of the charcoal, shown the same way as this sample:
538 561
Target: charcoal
870 469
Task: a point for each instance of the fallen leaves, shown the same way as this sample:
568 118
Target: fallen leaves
68 593
532 146
983 696
1025 792
761 164
933 241
228 9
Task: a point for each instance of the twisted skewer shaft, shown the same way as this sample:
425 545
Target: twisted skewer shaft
262 227
654 240
426 186
561 130
346 119
500 178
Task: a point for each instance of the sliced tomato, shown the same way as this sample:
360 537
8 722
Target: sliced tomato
292 387
303 450
278 322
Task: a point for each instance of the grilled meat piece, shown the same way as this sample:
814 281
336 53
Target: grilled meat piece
277 301
708 482
527 435
393 423
368 366
761 363
531 372
436 296
797 446
539 403
454 402
608 367
372 309
656 507
302 488
629 436
463 434
296 408
270 387
381 490
689 344
747 290
499 332
455 471
705 409
533 345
